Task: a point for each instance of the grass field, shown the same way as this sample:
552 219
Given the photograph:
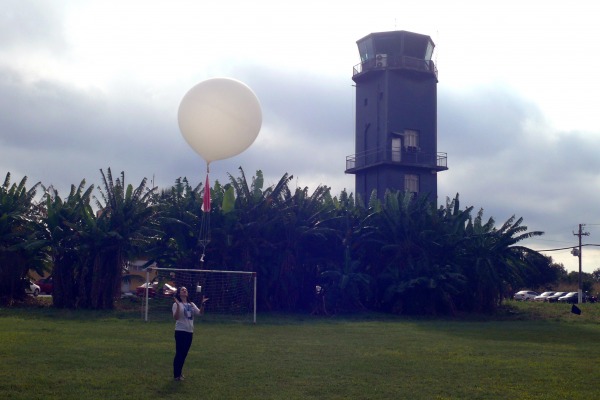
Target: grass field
534 351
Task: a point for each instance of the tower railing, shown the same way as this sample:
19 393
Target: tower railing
405 62
404 156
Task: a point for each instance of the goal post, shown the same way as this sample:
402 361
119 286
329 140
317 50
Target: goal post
230 294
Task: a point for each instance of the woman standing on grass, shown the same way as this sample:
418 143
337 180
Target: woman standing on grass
183 313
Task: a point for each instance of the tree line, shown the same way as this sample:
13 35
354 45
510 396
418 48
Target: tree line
312 252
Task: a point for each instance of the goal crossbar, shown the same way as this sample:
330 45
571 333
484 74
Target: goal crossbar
149 269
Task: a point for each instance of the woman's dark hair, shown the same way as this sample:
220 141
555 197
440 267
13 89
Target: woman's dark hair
177 294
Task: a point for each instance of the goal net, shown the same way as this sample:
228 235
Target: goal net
219 294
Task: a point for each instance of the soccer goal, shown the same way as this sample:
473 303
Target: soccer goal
218 294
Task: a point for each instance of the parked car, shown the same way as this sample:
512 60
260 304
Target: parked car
591 298
525 295
30 287
46 285
554 298
543 297
571 297
167 290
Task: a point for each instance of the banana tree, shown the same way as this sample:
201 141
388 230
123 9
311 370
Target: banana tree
125 227
492 260
65 229
21 246
305 239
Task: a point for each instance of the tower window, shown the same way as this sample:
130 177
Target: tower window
411 183
396 149
411 139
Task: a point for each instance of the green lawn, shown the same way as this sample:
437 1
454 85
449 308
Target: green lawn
537 351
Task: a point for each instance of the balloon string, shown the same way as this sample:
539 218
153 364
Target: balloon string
204 236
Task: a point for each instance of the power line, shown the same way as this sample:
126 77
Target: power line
562 248
570 247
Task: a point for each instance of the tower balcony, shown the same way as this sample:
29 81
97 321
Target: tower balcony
385 61
406 157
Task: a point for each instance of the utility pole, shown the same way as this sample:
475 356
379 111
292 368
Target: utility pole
580 234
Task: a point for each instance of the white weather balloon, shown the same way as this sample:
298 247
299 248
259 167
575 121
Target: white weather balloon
219 118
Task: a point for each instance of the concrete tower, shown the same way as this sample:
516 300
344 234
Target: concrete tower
396 116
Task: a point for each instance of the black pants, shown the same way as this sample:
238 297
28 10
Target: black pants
183 342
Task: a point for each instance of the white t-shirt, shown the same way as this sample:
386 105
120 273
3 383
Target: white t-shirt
185 322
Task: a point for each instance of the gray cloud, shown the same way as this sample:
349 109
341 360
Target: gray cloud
506 158
61 134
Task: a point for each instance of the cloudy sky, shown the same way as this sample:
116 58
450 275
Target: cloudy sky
87 85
